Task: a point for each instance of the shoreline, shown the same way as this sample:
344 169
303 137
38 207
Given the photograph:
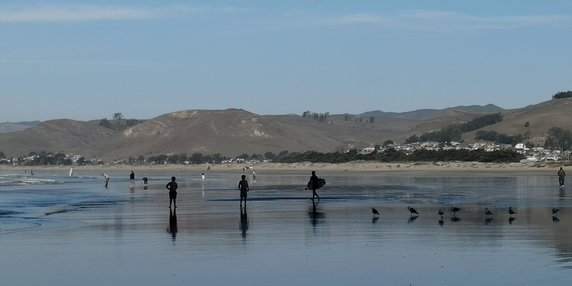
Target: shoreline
356 166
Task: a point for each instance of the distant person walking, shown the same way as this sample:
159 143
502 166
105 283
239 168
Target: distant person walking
105 178
253 175
172 186
561 175
313 185
132 178
243 188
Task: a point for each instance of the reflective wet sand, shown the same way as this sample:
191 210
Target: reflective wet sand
98 236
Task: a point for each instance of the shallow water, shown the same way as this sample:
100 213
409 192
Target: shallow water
64 230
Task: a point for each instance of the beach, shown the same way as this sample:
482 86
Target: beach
62 230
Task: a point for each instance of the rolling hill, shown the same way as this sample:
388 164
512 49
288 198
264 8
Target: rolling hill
233 132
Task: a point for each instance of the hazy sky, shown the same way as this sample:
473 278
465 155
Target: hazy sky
89 59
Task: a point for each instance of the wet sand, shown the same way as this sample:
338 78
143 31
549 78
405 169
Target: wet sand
119 235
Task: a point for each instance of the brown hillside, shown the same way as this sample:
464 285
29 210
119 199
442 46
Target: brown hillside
540 117
54 136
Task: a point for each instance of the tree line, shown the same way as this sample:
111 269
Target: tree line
393 155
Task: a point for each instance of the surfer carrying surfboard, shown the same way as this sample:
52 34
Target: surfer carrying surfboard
314 184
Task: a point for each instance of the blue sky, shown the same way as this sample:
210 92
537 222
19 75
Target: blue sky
86 60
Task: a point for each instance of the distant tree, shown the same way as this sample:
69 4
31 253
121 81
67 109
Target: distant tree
387 143
526 124
559 138
105 123
243 156
269 156
412 139
2 156
196 158
562 94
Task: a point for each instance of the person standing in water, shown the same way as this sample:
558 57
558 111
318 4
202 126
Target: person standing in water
172 186
561 175
243 188
106 178
132 178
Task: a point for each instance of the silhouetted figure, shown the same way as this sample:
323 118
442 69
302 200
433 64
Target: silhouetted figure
488 212
243 188
511 211
313 185
374 211
106 179
412 211
145 183
561 175
243 221
132 178
173 229
172 186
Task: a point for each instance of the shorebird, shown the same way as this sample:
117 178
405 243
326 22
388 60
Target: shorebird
412 211
555 211
441 212
374 211
510 211
455 210
488 212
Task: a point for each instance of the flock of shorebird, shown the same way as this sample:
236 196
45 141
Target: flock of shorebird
488 213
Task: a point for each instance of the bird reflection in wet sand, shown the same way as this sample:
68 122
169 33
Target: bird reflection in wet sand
488 220
412 218
173 229
510 220
243 221
441 222
455 218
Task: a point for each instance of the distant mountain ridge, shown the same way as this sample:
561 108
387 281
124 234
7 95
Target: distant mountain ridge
8 127
422 114
233 132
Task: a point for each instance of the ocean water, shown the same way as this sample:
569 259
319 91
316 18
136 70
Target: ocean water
61 230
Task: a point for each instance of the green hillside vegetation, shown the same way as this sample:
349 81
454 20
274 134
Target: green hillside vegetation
453 132
562 94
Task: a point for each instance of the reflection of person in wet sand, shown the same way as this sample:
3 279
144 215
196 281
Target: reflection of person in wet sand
173 229
243 221
172 186
105 178
243 188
